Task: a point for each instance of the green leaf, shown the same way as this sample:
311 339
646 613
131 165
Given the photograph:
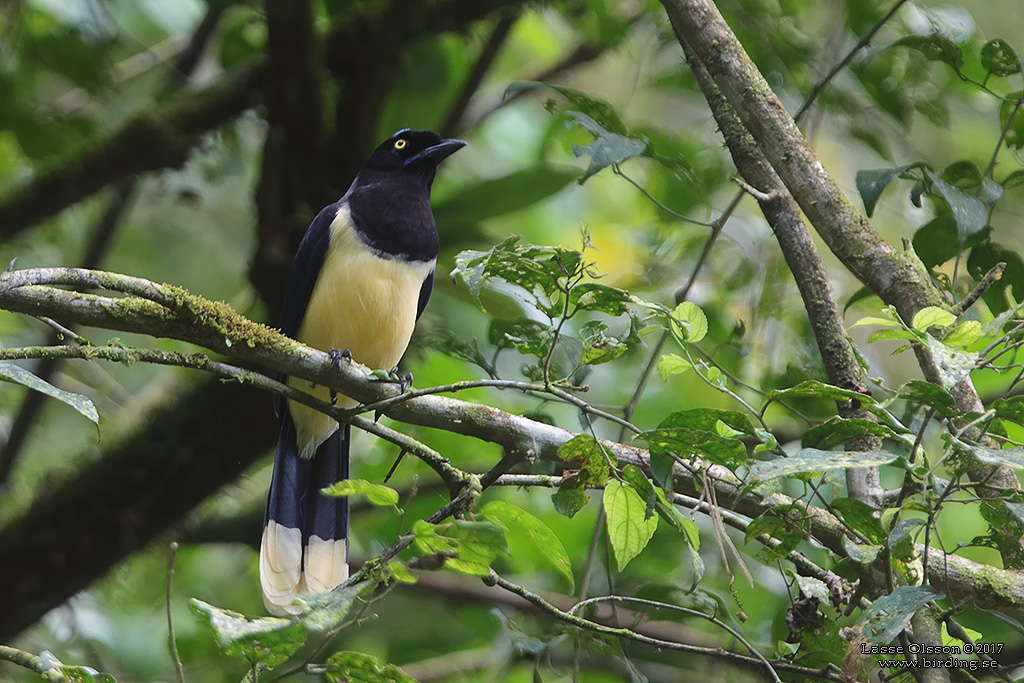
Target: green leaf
597 109
375 494
964 334
593 296
969 212
269 641
1010 457
816 389
781 530
893 335
9 372
931 395
588 453
570 496
935 47
1011 409
813 461
932 316
1015 128
322 612
609 148
540 535
475 544
691 325
889 615
984 257
672 364
629 528
861 554
687 442
901 539
477 202
356 667
531 267
71 673
861 517
999 59
598 347
871 184
836 431
635 477
707 419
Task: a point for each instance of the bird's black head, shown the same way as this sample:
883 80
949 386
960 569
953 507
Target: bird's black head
412 150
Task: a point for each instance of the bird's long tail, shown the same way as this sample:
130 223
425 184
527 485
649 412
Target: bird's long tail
304 547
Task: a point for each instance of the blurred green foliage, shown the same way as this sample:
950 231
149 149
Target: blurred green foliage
924 128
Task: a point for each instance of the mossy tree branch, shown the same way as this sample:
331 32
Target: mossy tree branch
186 317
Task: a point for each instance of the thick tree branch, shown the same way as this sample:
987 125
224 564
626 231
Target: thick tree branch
897 277
190 318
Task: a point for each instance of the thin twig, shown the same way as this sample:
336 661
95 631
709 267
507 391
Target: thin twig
171 642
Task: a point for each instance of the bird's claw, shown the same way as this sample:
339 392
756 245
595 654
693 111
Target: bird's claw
338 357
404 381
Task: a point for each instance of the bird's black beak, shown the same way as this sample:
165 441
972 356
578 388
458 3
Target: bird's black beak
436 153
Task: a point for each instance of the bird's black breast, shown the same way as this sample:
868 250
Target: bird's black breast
393 217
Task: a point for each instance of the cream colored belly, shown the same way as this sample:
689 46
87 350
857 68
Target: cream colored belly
362 303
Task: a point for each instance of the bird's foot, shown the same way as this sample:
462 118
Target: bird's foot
337 358
404 381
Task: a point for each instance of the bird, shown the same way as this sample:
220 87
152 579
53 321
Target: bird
360 280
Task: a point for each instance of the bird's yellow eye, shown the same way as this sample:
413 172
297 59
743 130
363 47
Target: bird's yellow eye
400 143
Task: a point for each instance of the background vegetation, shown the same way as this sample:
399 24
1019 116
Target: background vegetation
192 142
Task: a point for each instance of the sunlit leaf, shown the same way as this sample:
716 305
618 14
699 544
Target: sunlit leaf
540 535
375 494
930 316
475 545
629 527
999 59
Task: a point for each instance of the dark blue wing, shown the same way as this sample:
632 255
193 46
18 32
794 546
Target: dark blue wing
428 285
306 268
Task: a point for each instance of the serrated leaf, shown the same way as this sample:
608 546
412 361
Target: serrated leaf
871 183
609 148
932 316
629 528
269 641
10 372
813 461
357 667
375 494
691 324
475 544
964 334
539 534
672 364
999 59
889 615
